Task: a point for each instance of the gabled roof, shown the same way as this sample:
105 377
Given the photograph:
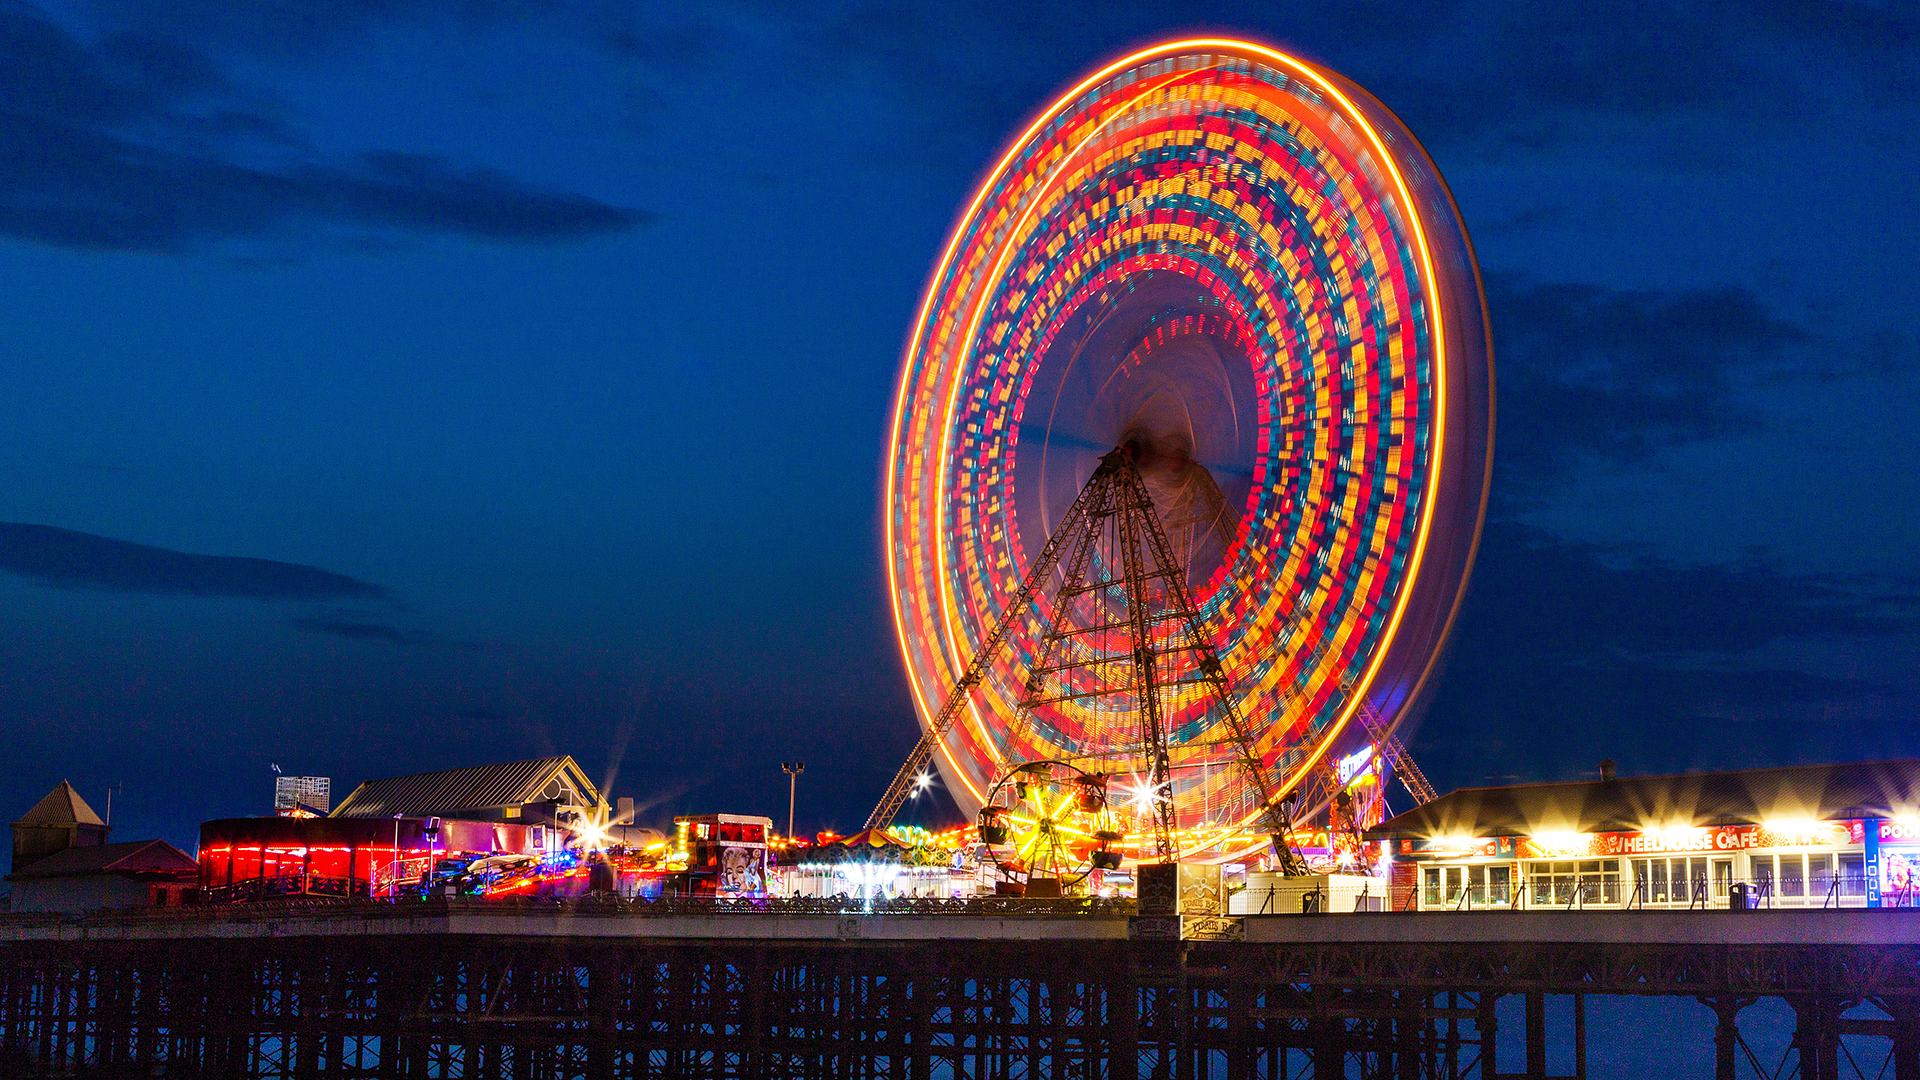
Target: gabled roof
482 787
62 806
867 845
870 838
1630 803
134 856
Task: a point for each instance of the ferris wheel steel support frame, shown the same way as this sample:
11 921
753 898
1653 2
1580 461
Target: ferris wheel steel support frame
903 781
1115 490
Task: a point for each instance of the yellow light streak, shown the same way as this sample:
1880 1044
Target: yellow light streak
958 233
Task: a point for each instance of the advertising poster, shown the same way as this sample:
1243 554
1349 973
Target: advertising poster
743 871
411 871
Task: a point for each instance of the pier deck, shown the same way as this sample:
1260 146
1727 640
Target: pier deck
598 992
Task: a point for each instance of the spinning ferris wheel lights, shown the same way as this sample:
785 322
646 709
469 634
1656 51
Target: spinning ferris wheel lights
1248 272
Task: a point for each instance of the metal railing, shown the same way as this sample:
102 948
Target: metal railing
1700 894
415 906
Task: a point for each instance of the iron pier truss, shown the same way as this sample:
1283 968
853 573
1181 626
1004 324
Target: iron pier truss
701 994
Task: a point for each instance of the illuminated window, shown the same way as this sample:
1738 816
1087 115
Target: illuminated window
1542 876
1793 875
1500 884
1820 873
1853 875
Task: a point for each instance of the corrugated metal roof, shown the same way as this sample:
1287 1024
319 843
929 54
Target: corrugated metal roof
62 806
132 856
1630 803
477 788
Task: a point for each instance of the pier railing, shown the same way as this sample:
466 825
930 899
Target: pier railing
664 907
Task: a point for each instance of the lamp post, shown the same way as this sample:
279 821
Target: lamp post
432 833
793 769
393 868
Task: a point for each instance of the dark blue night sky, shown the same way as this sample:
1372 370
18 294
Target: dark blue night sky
396 386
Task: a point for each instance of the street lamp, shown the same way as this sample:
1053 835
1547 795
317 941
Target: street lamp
793 769
432 833
393 868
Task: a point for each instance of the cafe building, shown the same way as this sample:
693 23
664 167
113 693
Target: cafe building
1840 835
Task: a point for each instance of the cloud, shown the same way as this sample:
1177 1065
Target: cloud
1687 81
1593 373
136 144
291 27
355 629
1712 75
1592 377
77 560
1664 665
1540 597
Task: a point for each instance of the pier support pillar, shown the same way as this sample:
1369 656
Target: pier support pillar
1580 1037
1487 1024
1726 1033
1816 1036
1906 1036
1536 1035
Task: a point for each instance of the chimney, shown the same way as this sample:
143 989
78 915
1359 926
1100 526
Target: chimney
1607 769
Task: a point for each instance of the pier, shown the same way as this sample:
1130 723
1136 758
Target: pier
918 989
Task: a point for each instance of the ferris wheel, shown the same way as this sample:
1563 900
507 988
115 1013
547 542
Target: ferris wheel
1047 826
1190 451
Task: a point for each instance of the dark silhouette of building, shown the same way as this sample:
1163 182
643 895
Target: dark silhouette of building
139 873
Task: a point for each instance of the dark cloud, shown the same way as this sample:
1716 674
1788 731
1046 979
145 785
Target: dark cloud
77 560
302 26
1548 722
1584 651
1540 597
1688 82
1594 374
1591 377
355 630
130 143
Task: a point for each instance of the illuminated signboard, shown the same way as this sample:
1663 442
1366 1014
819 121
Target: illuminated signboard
1655 841
1899 831
1355 763
1893 864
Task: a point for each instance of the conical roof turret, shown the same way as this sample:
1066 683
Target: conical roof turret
62 806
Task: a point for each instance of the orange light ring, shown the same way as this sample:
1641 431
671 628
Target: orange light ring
982 289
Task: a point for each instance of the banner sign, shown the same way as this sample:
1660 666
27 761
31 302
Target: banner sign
411 871
1898 832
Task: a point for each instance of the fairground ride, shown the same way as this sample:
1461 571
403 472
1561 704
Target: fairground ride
1189 459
